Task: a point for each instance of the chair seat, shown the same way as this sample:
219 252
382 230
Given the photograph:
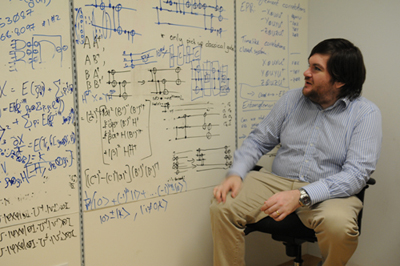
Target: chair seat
291 231
288 229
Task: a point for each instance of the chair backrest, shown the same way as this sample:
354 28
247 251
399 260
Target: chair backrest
360 195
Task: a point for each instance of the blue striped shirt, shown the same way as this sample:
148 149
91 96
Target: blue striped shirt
335 150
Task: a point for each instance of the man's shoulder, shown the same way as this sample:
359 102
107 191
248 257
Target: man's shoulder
365 105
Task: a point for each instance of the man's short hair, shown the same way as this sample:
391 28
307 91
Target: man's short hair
345 65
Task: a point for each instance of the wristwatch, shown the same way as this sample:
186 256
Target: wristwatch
304 199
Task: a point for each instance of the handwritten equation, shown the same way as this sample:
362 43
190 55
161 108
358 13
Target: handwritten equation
121 213
32 107
35 212
97 200
123 130
35 235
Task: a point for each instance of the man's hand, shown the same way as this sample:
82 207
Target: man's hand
281 204
231 183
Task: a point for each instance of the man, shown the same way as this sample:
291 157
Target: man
330 140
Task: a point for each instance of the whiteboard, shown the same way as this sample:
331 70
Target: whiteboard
38 181
272 55
119 117
156 101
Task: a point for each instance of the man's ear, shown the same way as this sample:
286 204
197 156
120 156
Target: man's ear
338 84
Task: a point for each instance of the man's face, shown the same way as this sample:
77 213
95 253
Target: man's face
318 86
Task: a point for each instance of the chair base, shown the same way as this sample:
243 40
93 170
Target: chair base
290 231
294 250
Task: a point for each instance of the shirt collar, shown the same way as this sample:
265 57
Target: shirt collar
342 103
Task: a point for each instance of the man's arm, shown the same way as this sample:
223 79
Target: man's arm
263 138
361 159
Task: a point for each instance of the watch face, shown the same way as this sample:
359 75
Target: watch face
304 198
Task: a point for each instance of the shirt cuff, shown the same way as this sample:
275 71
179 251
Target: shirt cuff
233 172
317 191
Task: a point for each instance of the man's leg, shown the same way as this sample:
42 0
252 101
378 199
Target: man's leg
229 219
335 224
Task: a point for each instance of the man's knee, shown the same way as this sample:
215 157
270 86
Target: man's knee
215 207
218 208
226 212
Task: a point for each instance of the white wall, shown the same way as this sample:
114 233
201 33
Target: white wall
374 27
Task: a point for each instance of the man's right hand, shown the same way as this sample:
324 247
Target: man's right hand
231 183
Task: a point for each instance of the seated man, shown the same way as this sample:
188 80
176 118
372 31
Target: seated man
331 141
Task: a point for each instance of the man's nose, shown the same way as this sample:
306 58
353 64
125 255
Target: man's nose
307 73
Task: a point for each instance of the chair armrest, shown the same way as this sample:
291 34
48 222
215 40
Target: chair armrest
256 168
371 181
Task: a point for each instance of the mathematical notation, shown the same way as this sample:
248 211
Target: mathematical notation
15 240
121 213
96 200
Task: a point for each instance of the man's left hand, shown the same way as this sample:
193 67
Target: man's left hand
282 204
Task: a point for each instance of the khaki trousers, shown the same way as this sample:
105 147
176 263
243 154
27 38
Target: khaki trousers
334 220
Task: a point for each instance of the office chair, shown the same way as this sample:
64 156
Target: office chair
291 231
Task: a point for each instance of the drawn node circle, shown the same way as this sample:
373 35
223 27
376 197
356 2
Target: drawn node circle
120 30
208 135
118 7
178 82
